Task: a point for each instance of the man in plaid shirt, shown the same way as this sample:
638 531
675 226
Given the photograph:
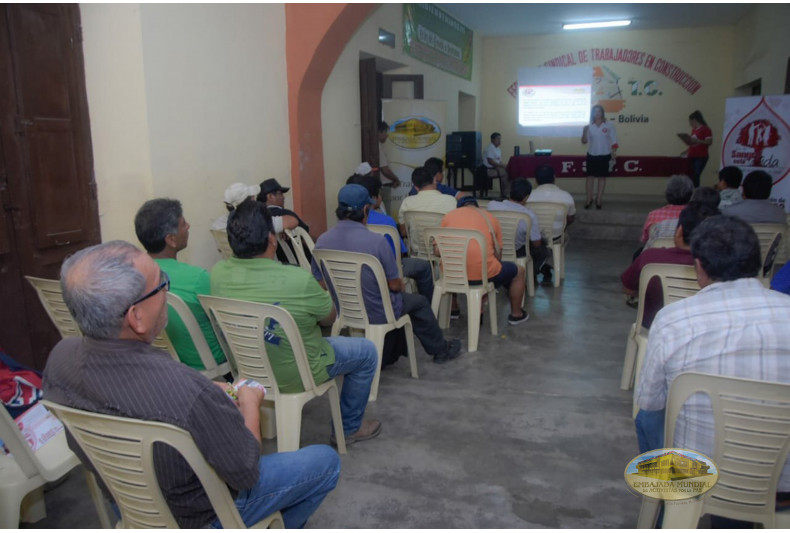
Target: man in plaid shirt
678 193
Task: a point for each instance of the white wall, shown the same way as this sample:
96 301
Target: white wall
209 83
340 112
762 46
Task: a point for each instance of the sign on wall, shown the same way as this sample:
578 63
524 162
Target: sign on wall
416 133
757 137
436 38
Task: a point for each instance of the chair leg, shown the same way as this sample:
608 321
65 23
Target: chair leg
474 307
33 508
683 514
492 313
98 501
641 348
336 327
648 513
559 266
289 424
10 504
440 307
626 380
268 420
410 348
376 335
337 418
530 281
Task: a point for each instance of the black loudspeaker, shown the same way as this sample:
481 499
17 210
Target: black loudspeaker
464 150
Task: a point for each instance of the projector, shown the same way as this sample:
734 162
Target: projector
543 152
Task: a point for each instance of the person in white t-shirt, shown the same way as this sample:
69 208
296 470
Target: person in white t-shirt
492 159
601 153
546 191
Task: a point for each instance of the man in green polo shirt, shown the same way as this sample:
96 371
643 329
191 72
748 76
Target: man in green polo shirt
253 274
163 232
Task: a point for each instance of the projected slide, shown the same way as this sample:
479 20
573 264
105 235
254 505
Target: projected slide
554 105
554 102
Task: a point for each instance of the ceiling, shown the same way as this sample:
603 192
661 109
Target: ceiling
536 19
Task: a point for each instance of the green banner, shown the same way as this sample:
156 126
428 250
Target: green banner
436 38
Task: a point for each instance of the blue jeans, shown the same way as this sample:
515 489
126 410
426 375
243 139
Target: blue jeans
356 360
420 271
650 430
294 483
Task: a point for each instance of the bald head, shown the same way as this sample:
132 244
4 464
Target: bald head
99 284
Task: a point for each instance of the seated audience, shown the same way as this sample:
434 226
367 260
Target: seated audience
273 195
706 196
691 217
678 193
417 269
733 327
501 273
729 186
116 294
351 235
163 232
547 191
428 198
253 274
236 194
435 168
756 208
520 190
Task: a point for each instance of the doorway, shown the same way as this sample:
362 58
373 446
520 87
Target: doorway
47 191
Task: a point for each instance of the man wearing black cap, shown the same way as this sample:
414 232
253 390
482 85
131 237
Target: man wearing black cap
351 235
273 195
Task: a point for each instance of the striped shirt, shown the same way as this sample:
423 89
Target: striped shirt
132 379
735 328
668 212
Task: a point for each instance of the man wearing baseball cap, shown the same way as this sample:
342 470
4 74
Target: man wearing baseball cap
351 235
273 195
235 194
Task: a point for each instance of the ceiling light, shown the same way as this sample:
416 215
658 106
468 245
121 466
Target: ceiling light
604 24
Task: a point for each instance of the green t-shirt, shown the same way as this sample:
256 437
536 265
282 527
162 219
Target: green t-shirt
293 288
187 281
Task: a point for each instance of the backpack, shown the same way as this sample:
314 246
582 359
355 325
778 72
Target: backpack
20 386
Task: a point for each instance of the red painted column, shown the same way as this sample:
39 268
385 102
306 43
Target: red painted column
315 36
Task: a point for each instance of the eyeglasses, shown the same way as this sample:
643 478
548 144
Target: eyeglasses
163 285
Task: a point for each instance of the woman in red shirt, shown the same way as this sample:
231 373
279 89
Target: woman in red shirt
701 138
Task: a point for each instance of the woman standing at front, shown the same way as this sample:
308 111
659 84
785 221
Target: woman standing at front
601 153
701 138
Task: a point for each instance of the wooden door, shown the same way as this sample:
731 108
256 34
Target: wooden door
49 201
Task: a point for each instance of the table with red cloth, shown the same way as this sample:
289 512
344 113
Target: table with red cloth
572 166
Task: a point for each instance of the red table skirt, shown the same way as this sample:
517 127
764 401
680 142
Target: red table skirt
572 166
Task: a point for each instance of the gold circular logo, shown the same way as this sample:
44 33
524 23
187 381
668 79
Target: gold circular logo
671 474
415 132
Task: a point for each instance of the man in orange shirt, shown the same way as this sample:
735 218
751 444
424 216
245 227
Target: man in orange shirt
468 215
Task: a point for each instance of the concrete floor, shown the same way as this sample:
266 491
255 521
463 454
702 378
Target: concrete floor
530 431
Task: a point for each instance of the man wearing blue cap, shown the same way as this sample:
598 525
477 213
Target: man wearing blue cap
351 235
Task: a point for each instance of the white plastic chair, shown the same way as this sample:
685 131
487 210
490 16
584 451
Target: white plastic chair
416 222
509 222
221 240
345 281
752 427
292 244
677 282
453 246
243 324
51 297
661 242
121 450
770 237
383 229
548 213
211 368
24 473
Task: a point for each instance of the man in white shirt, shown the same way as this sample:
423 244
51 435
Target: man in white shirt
520 190
733 327
428 198
492 159
547 191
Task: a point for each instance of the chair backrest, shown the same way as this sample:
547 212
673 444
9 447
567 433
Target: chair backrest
244 326
221 240
301 239
661 242
162 342
51 297
770 237
482 203
16 444
453 247
677 282
196 334
509 222
393 234
121 450
284 242
345 282
416 222
548 213
752 427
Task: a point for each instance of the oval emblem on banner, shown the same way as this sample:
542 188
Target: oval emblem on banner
415 132
671 474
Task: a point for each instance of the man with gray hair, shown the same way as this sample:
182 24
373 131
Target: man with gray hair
116 294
